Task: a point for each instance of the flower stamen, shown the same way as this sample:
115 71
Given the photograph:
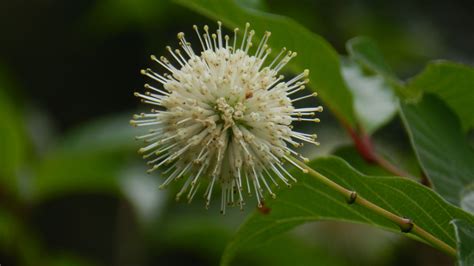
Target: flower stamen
224 117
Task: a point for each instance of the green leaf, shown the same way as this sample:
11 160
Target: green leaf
254 4
90 158
105 134
352 156
63 173
13 138
314 52
309 200
465 242
365 51
374 101
402 156
453 83
373 90
440 145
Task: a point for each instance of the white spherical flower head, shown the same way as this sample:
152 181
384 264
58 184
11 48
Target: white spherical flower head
223 117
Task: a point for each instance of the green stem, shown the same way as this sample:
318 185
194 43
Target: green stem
406 225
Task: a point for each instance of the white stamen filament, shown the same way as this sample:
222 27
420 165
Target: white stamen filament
224 118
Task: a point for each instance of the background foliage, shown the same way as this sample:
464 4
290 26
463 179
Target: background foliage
74 192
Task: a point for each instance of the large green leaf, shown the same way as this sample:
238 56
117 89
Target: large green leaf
440 145
452 82
310 200
465 241
314 52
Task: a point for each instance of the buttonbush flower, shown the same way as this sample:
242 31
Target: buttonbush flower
223 117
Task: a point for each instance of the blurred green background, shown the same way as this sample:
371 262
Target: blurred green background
74 192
